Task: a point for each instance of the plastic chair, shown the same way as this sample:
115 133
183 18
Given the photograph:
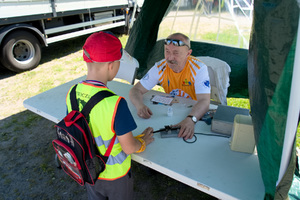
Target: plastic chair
218 71
128 68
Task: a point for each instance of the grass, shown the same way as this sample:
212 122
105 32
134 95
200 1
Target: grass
238 102
228 36
298 137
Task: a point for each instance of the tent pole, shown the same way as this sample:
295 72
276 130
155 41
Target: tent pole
293 111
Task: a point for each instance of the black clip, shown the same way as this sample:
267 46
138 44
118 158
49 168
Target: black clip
168 131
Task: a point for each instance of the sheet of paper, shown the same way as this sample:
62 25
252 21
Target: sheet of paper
162 99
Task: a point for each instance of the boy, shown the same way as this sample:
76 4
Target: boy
102 52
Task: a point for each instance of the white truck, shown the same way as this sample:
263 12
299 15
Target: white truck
28 25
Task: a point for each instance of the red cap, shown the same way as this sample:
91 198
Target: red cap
102 47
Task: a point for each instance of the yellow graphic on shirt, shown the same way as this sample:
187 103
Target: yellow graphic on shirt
179 84
186 83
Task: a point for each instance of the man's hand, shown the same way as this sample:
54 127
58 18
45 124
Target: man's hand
144 112
187 127
136 96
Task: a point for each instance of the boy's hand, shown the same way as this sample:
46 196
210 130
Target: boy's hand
148 135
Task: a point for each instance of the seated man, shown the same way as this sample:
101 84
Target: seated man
179 74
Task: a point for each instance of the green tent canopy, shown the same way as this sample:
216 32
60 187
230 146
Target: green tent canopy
265 72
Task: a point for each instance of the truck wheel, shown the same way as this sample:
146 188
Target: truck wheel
20 51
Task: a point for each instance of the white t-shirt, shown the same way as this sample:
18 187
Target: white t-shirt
192 80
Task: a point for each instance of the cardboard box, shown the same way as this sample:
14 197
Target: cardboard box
223 119
242 139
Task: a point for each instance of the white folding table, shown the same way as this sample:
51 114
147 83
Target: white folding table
208 165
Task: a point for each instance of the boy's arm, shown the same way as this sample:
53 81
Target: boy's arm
131 145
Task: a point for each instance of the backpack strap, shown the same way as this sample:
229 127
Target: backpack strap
111 144
96 98
74 103
99 96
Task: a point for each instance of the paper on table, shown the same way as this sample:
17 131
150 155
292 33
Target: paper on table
162 99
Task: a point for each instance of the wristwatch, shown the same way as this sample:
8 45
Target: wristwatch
194 119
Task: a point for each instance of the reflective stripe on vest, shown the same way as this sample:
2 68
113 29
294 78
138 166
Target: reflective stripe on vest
119 158
101 119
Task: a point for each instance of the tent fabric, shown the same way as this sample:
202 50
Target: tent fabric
236 58
143 34
283 188
263 73
294 192
270 67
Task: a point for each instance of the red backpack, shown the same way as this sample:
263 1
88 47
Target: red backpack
75 146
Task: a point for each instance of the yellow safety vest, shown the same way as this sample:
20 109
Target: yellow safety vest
101 122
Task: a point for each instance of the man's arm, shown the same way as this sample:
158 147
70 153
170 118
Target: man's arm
136 96
198 110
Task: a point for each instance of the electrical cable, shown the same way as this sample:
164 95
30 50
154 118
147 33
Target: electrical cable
206 134
168 128
217 135
191 141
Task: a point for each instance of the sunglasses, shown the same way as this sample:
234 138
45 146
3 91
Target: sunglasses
177 43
